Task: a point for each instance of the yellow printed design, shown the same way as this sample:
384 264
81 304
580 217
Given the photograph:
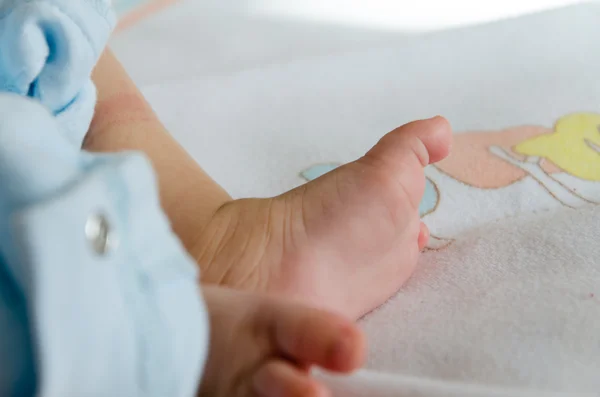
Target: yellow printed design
505 173
574 147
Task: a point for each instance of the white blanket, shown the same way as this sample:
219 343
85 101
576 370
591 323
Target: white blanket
512 298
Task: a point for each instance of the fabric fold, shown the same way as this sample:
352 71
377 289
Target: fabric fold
48 49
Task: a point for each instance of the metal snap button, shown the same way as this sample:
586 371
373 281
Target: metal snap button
99 234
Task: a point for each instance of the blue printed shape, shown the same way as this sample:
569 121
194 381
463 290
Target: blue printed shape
428 203
430 199
318 170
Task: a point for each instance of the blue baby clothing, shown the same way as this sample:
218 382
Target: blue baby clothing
47 51
97 295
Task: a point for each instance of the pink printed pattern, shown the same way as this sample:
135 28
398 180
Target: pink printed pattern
132 11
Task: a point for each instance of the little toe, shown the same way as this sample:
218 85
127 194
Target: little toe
313 337
423 236
281 379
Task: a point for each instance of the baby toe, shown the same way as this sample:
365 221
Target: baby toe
281 379
436 135
428 140
423 236
314 337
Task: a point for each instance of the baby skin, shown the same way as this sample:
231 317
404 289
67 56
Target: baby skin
265 347
345 242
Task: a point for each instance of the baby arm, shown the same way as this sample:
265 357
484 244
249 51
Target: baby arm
125 121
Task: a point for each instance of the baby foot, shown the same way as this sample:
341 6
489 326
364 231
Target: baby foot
346 241
265 347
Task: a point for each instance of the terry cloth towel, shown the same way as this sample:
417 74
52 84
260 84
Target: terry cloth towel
48 49
508 294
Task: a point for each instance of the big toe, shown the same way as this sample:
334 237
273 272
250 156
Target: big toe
427 140
401 155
